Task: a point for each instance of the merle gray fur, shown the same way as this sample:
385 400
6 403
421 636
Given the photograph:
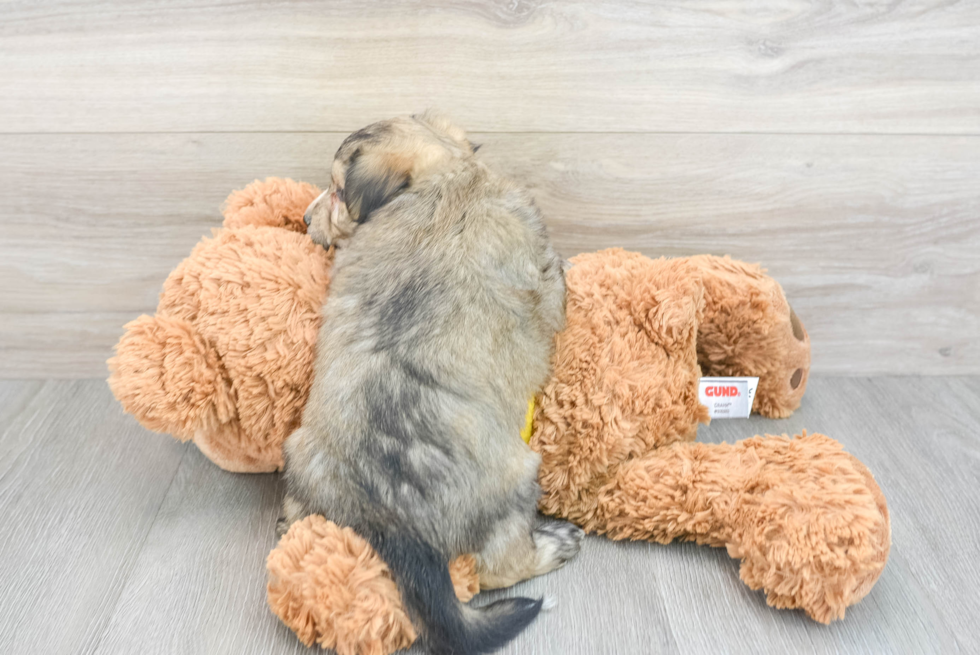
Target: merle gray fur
440 324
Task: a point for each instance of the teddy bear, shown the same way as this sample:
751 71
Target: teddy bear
228 357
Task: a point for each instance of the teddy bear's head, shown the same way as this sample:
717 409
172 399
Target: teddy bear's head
227 359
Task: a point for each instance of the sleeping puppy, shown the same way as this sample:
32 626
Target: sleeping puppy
445 300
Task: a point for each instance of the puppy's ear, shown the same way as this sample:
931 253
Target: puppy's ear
442 124
372 180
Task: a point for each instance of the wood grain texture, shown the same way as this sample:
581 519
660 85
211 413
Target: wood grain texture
80 485
198 585
15 395
525 65
874 238
96 559
69 345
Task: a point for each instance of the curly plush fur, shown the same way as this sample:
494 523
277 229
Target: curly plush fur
748 328
615 422
813 537
330 587
227 359
614 425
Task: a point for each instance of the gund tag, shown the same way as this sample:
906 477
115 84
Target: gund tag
728 397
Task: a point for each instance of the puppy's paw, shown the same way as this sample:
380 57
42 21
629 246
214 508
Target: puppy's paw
282 526
556 543
292 511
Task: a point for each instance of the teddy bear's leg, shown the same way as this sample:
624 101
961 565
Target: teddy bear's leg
625 375
806 519
522 550
749 329
328 585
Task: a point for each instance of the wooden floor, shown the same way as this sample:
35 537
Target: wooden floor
117 540
837 142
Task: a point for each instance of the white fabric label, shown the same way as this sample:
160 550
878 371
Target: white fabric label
728 397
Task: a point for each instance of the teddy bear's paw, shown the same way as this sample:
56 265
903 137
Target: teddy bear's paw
557 542
328 585
811 526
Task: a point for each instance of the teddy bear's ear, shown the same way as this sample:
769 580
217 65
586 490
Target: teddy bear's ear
170 378
274 202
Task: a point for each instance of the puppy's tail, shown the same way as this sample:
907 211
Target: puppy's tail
445 625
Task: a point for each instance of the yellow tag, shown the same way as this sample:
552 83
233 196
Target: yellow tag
526 432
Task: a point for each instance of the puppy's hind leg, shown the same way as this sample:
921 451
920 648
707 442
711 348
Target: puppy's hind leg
555 543
292 511
525 547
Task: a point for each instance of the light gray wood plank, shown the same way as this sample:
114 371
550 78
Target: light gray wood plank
120 211
606 601
72 345
80 484
199 582
828 66
874 238
14 396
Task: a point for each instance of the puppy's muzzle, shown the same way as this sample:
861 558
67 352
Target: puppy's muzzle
308 216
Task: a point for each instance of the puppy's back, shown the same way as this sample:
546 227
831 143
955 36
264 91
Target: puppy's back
435 334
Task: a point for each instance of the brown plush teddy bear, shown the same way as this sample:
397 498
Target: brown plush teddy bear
227 362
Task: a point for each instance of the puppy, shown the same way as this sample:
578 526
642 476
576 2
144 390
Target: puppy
445 300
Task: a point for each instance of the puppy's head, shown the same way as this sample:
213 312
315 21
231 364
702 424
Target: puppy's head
376 164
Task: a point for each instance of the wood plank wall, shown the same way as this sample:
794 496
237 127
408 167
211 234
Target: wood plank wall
838 143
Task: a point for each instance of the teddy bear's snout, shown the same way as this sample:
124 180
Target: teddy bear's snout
796 379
